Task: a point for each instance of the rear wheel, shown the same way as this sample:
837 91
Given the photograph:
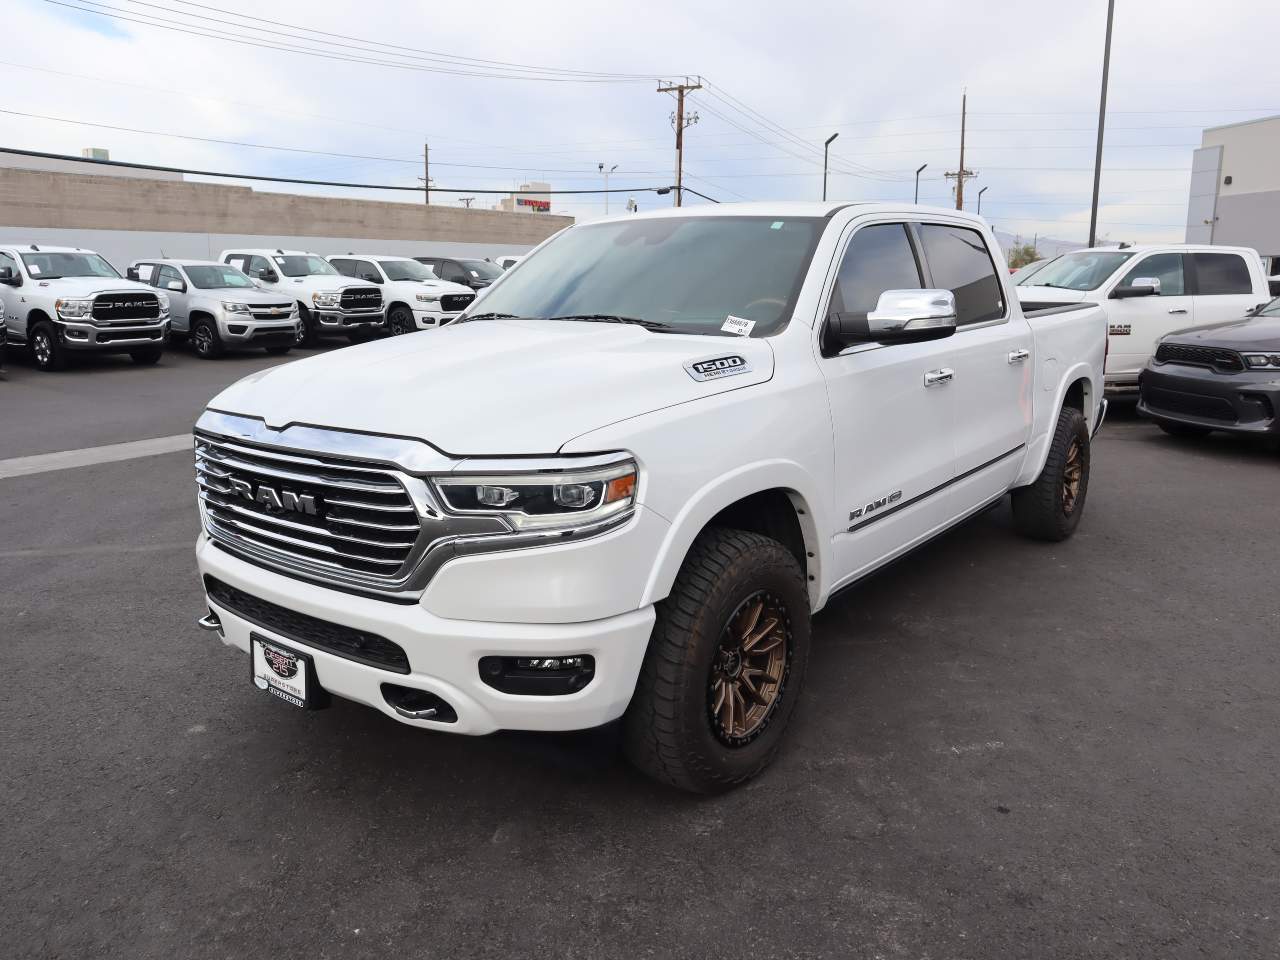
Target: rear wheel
205 340
1050 508
1182 429
46 349
147 356
400 321
725 664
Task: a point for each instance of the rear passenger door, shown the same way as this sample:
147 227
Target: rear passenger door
991 354
1134 324
1223 287
892 431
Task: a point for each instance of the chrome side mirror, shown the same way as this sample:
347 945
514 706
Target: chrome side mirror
1141 287
900 316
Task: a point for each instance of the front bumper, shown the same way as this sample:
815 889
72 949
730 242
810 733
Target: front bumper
431 319
342 320
1197 396
257 333
444 654
88 336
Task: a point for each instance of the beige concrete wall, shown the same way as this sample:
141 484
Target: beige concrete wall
41 199
1250 157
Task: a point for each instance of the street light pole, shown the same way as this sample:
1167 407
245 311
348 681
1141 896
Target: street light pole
918 169
1102 123
825 147
980 193
606 173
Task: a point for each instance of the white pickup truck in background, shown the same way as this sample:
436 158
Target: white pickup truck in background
1149 291
620 485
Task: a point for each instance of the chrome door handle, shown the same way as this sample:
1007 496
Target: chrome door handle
1178 310
936 377
1017 356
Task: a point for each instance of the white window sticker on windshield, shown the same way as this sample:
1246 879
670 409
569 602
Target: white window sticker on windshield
34 268
738 325
776 225
280 260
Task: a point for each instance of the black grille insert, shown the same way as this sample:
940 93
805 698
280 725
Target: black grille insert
361 298
1214 358
110 307
453 302
367 648
1189 404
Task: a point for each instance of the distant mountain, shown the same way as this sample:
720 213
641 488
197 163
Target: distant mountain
1048 246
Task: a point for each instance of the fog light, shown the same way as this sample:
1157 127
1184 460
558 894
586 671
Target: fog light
538 676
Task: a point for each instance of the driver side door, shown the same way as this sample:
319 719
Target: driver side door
891 412
1134 324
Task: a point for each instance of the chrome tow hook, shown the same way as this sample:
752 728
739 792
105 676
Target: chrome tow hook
428 713
211 623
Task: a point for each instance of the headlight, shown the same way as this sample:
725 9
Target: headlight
232 307
1263 360
329 298
74 309
428 297
547 500
164 301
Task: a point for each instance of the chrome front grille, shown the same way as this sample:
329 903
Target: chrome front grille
325 515
271 311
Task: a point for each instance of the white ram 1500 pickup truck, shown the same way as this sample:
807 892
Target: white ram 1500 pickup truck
1147 292
620 485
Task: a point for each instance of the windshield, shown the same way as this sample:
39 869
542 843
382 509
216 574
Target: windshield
1272 309
482 269
51 266
1087 270
220 277
406 270
305 265
689 273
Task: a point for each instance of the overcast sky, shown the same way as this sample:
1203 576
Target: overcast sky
781 78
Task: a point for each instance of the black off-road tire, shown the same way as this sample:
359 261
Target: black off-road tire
1184 430
400 321
146 356
1040 510
306 335
669 729
205 340
47 350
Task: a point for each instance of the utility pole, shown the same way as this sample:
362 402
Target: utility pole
680 89
466 201
980 193
963 174
426 174
1102 123
825 147
919 170
600 167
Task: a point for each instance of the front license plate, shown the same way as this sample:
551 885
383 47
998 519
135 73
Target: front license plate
282 672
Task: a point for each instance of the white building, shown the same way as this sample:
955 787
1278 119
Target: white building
1235 189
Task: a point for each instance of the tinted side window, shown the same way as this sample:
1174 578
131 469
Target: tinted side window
345 267
239 261
960 262
453 272
367 271
1221 273
1165 267
146 272
879 258
258 263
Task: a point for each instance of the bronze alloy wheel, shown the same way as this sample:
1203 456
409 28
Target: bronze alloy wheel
749 672
1072 472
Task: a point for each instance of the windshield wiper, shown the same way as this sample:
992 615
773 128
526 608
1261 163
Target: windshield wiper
491 316
615 318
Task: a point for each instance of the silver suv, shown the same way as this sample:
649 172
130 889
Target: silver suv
217 307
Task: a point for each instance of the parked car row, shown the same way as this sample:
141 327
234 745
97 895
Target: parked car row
58 301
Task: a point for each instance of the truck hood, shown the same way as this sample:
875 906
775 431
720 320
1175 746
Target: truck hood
249 295
291 286
1248 333
80 288
497 387
1046 296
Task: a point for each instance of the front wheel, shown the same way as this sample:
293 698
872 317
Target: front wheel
400 321
205 340
304 334
46 349
725 664
1050 508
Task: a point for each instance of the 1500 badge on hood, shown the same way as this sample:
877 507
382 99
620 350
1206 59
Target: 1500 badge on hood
716 368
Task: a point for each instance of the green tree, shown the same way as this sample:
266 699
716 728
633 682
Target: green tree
1022 254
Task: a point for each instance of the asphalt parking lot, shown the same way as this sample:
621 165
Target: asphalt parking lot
1006 749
